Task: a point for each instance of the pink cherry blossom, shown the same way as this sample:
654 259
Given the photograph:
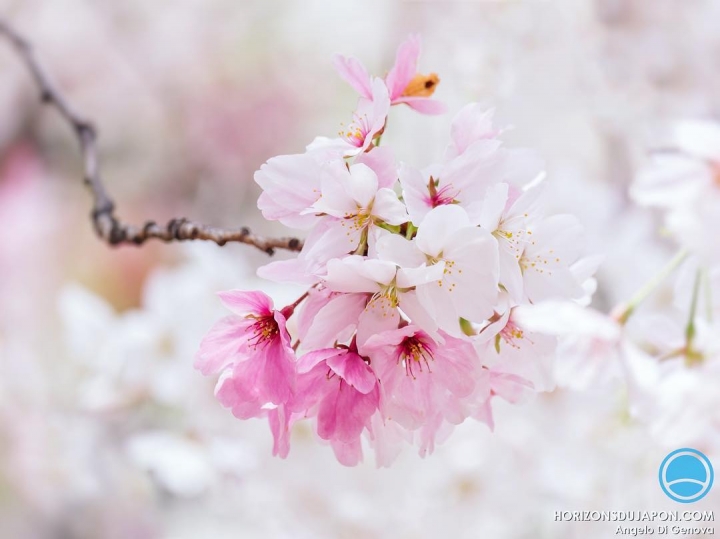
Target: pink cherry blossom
462 181
368 120
496 383
474 162
509 345
290 184
684 182
409 325
386 287
472 124
404 83
421 378
338 387
251 351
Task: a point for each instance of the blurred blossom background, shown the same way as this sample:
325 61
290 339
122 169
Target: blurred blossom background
106 430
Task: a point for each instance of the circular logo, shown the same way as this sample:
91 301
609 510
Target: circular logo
686 475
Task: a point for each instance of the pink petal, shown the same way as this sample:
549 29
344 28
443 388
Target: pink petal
222 345
405 66
388 439
376 111
239 390
484 414
278 376
377 317
294 270
290 185
457 363
348 454
344 413
335 321
311 388
471 124
423 105
382 161
313 304
247 302
279 419
510 387
354 73
351 368
307 362
415 193
392 337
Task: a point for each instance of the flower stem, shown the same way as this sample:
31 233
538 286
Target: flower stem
708 296
288 310
623 312
690 354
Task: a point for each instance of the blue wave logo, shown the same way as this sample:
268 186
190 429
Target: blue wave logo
686 475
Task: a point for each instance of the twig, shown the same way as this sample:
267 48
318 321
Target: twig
624 311
107 225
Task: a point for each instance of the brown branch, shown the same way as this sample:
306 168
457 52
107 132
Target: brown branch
107 225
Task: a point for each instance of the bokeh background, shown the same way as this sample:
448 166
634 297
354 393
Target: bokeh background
106 431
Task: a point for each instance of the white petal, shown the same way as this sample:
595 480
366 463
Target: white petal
409 277
566 318
418 315
439 226
388 207
335 199
346 275
435 299
699 138
362 184
493 206
380 271
403 252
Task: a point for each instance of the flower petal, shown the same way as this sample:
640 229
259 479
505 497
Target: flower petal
351 368
222 345
388 207
244 302
405 66
423 105
354 73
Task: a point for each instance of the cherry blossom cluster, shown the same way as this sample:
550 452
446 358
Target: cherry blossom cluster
683 181
413 276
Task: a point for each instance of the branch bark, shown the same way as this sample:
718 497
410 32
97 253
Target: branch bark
107 225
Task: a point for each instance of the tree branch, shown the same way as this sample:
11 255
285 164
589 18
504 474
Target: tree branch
107 225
